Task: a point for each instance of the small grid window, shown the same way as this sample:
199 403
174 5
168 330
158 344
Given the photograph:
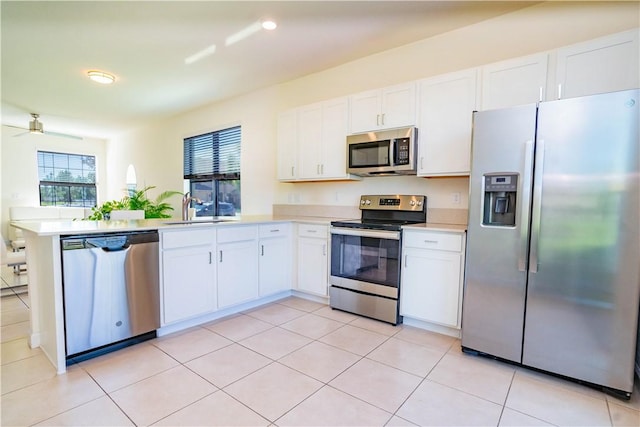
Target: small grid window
67 179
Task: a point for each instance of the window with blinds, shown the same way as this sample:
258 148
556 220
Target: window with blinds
213 155
212 168
67 179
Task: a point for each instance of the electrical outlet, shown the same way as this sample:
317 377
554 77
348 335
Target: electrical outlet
455 198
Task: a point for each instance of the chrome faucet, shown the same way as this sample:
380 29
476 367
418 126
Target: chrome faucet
186 201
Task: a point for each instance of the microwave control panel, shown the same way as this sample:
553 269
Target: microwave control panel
402 151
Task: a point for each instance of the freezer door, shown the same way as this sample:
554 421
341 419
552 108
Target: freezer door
583 292
495 271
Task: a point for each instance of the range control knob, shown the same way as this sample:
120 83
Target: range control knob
362 202
412 203
367 202
419 202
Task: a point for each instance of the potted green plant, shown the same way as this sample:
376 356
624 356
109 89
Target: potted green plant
137 200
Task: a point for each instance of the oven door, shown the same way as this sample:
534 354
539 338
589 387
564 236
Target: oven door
366 261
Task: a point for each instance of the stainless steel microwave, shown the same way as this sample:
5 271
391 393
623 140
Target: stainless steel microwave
383 153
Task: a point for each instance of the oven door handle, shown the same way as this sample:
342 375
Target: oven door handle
359 232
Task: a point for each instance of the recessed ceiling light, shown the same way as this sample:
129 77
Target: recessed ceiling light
101 77
268 24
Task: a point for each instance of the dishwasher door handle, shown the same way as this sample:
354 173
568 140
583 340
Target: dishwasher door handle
121 248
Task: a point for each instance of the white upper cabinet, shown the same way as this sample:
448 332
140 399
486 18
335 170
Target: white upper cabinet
514 82
605 64
312 142
445 115
322 136
287 146
335 126
386 108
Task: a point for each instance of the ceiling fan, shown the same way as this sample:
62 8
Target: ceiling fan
35 126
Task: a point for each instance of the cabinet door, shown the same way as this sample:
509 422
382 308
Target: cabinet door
365 111
446 106
287 142
312 265
603 65
431 286
335 115
514 82
188 282
398 106
310 141
275 265
237 272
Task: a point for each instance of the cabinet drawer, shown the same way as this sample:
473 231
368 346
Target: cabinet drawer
433 240
273 230
236 234
186 238
313 230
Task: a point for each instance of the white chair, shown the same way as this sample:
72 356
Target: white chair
12 259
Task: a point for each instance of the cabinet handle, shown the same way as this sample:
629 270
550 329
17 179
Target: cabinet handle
421 163
406 258
261 250
220 256
541 94
377 119
210 257
559 90
292 171
275 230
321 168
383 118
312 231
318 169
431 241
324 250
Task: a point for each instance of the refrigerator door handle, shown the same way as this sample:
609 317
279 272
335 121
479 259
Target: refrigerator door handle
537 207
525 206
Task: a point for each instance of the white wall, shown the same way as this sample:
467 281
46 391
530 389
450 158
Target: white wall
156 152
20 165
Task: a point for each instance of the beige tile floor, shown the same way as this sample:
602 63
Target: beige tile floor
291 363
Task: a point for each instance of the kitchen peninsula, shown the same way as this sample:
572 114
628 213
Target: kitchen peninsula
238 264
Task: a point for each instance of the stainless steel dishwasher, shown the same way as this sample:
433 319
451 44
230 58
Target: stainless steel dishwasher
110 288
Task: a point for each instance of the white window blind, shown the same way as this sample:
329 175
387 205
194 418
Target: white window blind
213 155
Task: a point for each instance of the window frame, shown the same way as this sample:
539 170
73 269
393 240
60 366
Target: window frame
225 149
67 186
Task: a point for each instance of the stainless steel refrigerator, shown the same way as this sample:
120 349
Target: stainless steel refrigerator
552 278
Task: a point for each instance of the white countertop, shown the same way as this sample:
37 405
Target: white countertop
69 227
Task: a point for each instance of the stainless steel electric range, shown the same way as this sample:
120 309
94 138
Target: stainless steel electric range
366 256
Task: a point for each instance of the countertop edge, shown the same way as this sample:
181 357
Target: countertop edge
69 227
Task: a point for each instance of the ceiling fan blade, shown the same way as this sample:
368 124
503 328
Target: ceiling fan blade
63 135
18 127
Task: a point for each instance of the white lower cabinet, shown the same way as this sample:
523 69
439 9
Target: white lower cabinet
237 265
432 276
274 269
312 252
188 274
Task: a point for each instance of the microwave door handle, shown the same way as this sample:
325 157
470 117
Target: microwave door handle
392 152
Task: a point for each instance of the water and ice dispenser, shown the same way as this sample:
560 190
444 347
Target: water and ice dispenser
500 192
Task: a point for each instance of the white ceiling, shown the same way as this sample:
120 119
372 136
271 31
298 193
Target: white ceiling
48 46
